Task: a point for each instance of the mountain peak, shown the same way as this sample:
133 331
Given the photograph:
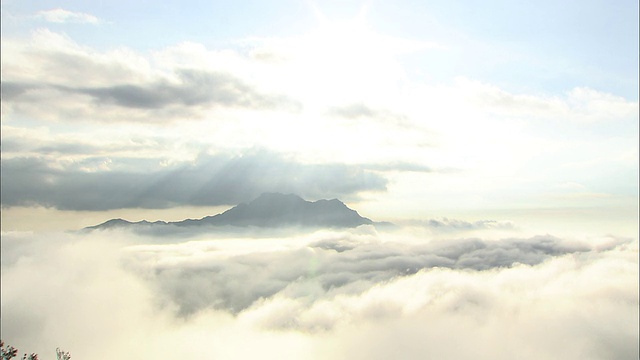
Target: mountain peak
276 199
111 224
270 210
276 209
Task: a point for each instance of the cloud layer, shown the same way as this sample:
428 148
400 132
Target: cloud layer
337 264
316 98
341 295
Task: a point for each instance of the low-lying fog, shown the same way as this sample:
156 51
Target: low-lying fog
342 294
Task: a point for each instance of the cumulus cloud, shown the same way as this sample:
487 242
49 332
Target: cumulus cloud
51 58
580 104
194 91
211 180
340 295
75 81
193 88
66 16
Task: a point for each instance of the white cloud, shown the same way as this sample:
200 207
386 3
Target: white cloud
99 297
321 76
358 106
81 84
65 16
579 105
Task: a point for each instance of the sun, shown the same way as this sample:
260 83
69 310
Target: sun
341 60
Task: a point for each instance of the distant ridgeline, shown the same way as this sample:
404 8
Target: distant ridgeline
270 210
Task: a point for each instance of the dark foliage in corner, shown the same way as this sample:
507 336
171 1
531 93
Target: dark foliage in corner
10 352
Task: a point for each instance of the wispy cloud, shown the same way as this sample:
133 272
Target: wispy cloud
446 224
62 16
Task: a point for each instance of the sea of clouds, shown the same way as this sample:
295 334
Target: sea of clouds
331 294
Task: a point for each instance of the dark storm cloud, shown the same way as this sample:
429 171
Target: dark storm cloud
212 180
344 264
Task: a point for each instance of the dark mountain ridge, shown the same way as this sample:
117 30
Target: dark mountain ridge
269 210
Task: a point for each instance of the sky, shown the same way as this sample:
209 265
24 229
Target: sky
502 137
407 110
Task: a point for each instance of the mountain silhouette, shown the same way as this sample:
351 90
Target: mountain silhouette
269 210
